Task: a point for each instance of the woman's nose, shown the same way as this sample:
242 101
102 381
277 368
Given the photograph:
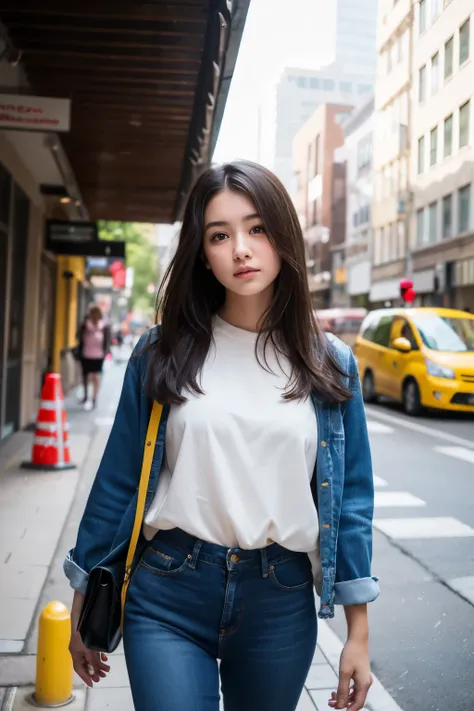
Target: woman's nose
242 247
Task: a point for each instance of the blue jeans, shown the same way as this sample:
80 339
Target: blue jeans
191 603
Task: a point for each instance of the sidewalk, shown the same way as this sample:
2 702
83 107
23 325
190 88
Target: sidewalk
39 515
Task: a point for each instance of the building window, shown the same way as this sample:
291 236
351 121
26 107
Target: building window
365 88
464 208
448 58
421 154
432 222
301 82
464 33
448 136
420 226
422 16
434 73
422 84
314 83
401 239
435 9
434 145
346 87
316 156
447 216
464 113
328 84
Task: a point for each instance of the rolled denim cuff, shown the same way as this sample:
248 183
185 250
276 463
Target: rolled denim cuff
77 577
356 592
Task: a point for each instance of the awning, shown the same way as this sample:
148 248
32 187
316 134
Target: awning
148 84
385 290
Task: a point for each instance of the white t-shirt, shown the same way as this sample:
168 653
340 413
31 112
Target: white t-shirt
239 459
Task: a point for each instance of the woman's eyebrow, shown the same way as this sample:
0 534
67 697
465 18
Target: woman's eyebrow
223 223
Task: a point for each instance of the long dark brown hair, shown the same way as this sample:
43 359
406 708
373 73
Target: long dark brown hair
190 295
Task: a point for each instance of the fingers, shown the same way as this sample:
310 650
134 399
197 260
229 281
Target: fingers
333 700
342 694
360 695
90 666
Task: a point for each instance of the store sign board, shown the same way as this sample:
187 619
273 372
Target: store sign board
34 113
78 232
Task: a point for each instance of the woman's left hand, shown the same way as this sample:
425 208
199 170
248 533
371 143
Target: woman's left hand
355 666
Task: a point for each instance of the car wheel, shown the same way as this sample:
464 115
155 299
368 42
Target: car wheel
368 387
411 398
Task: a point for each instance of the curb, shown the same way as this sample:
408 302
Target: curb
331 646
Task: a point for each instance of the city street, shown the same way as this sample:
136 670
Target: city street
422 626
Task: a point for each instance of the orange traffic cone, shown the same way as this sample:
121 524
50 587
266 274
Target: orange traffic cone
51 442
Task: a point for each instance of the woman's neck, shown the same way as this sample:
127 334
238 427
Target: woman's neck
245 312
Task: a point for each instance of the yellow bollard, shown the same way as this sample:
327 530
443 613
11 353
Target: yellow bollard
53 661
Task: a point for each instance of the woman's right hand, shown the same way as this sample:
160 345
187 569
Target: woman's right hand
89 666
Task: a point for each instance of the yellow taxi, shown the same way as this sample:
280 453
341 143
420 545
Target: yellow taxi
422 357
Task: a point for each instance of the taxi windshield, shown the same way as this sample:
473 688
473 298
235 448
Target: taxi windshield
454 335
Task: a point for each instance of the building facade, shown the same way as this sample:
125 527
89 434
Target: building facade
442 161
391 158
358 143
298 93
356 29
319 188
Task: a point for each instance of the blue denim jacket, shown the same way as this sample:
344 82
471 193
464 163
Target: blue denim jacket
342 488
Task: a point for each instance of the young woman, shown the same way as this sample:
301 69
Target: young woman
94 343
261 482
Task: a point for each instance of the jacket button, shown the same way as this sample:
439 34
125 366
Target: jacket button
324 484
148 444
323 444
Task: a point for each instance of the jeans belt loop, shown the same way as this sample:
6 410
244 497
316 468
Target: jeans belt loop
195 554
264 559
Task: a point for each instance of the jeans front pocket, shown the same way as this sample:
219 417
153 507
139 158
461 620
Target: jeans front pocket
161 559
291 574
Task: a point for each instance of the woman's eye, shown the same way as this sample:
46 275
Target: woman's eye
219 237
258 229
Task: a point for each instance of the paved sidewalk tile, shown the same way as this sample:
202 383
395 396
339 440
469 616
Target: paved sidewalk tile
321 676
305 703
118 676
116 699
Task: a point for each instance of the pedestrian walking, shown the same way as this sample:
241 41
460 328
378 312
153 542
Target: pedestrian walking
94 345
260 483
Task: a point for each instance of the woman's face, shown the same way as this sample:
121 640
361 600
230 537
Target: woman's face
236 247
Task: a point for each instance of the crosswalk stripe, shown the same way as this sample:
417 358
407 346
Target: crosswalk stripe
378 481
423 527
397 499
378 428
467 455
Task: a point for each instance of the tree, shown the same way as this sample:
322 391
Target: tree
140 255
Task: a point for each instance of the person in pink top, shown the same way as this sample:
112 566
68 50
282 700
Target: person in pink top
94 343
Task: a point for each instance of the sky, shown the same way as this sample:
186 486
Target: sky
277 33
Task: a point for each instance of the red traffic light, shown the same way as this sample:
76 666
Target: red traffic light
407 291
409 296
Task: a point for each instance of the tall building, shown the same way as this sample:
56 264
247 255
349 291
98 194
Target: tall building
299 92
358 144
391 205
442 164
356 26
319 197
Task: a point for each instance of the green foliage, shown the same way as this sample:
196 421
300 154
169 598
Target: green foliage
141 256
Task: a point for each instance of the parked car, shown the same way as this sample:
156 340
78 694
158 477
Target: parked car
422 357
342 322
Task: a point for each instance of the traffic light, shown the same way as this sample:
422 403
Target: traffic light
407 291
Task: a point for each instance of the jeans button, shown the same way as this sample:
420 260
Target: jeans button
234 558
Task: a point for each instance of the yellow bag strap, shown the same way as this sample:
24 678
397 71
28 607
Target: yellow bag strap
149 450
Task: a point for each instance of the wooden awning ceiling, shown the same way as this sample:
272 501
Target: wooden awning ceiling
144 80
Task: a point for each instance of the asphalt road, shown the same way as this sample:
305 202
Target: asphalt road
422 626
